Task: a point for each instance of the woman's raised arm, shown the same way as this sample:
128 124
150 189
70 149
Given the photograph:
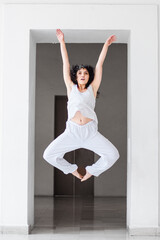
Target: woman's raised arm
99 65
65 59
103 53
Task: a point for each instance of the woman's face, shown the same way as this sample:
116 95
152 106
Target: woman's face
82 76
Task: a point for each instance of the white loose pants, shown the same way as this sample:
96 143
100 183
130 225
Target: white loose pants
81 136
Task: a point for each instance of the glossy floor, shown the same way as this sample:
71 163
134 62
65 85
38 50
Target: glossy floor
79 218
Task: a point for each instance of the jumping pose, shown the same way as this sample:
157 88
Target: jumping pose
82 83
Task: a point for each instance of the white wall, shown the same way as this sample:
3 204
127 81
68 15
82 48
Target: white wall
142 188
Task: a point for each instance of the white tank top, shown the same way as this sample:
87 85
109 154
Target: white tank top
83 102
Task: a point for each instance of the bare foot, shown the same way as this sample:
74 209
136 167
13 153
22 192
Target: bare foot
86 176
77 174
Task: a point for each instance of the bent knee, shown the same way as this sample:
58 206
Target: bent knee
115 155
50 154
46 154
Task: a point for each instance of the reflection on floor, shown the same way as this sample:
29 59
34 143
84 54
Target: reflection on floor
83 213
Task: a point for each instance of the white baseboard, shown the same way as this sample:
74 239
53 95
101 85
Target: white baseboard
136 231
16 229
148 231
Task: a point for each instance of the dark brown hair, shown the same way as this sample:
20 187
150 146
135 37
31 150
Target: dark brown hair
89 68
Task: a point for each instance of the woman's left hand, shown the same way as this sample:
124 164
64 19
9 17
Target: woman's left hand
111 39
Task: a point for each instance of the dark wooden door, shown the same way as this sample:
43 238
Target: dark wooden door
67 184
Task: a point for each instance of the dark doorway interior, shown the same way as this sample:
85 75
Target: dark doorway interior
68 185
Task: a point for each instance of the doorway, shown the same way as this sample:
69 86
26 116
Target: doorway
108 191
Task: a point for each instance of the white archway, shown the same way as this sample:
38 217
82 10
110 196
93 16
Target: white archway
23 26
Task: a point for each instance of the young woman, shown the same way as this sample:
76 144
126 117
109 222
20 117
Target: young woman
82 83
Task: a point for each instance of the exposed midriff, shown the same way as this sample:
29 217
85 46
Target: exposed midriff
80 119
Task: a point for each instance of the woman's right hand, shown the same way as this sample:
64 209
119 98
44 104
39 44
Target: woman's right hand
60 35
